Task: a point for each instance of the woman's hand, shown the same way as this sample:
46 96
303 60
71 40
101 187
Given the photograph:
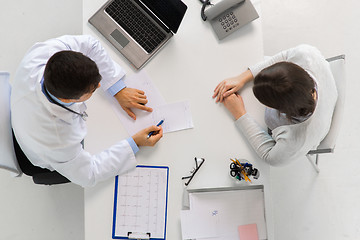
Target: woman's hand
132 98
235 104
141 138
231 85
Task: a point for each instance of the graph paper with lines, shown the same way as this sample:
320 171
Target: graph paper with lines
140 203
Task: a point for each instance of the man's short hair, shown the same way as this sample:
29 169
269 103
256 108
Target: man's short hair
70 75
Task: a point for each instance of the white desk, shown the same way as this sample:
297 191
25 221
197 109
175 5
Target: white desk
187 68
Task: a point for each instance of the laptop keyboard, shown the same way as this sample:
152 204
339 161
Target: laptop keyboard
136 24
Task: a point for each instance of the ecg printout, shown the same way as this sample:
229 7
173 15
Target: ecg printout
141 201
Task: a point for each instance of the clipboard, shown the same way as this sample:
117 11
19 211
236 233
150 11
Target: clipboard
140 203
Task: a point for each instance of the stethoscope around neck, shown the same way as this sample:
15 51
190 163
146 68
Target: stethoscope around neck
83 115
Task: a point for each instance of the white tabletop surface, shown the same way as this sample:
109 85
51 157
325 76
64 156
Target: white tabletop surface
188 68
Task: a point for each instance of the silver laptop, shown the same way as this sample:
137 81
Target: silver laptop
139 28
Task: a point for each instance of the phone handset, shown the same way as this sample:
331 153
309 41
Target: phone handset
217 9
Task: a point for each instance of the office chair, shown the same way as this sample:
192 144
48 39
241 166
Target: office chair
11 154
7 157
327 145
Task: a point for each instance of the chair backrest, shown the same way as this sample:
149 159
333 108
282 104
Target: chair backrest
7 153
337 65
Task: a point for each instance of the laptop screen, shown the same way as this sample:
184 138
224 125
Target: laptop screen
171 12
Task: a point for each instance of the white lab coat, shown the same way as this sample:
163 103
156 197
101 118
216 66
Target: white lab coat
51 136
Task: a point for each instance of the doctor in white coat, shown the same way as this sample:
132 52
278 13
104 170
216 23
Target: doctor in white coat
49 121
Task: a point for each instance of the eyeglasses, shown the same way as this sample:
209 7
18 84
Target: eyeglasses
194 171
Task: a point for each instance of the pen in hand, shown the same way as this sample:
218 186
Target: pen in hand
152 132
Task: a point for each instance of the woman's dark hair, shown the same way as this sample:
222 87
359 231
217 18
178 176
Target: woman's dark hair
286 87
70 75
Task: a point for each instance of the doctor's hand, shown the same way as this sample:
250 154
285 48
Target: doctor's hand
141 138
235 104
132 98
231 85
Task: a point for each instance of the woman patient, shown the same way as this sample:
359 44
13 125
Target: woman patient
299 92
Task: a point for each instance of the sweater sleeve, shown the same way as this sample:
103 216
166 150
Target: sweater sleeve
276 151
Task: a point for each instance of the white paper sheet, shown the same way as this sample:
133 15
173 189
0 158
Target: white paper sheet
198 225
140 81
230 208
177 115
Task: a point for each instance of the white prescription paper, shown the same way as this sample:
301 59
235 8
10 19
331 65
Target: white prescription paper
141 202
177 115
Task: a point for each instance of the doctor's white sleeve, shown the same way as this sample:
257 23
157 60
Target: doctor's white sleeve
87 170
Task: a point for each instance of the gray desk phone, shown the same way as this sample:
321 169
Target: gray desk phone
227 16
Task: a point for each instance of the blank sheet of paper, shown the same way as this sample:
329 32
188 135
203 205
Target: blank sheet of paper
194 227
142 82
140 202
177 115
229 209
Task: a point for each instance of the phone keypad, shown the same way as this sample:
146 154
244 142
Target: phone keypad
228 21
